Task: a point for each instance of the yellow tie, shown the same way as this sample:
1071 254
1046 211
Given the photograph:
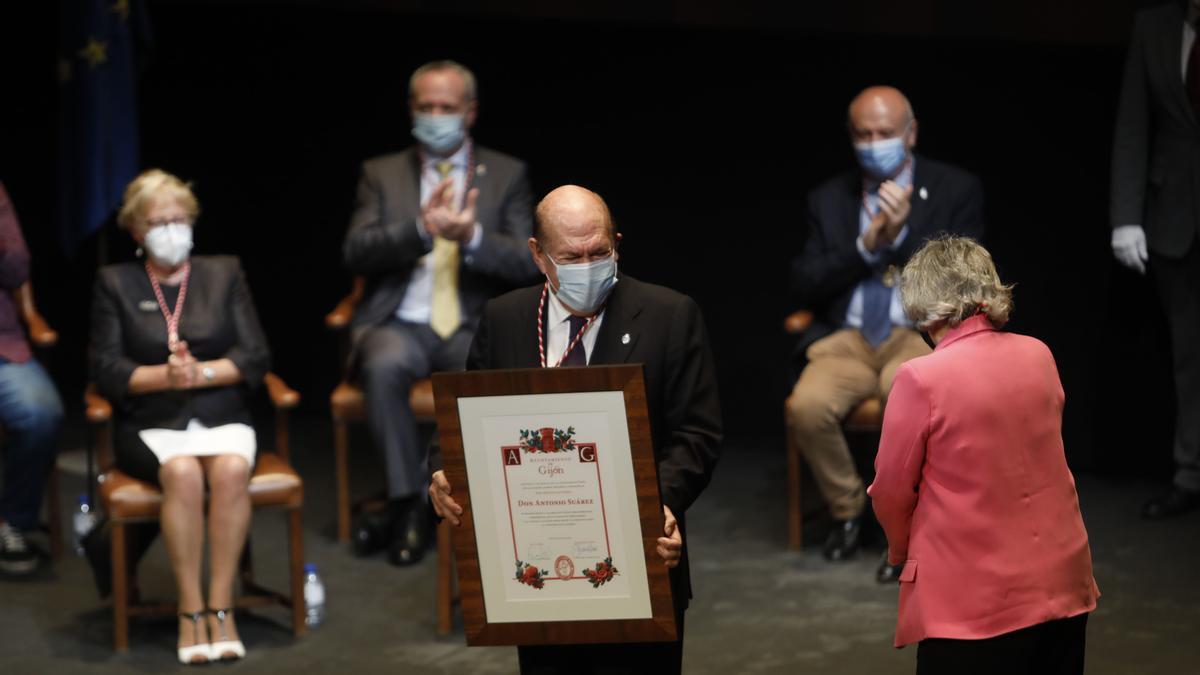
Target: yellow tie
445 314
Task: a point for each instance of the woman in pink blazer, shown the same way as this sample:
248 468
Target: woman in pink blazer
972 486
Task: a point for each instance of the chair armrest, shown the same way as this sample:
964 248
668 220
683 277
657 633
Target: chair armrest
99 410
339 318
40 332
282 396
797 322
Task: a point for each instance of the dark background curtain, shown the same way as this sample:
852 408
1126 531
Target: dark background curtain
702 124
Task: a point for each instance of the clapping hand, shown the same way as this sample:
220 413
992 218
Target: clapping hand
442 217
181 367
895 205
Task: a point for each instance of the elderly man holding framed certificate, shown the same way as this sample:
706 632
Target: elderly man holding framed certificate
565 472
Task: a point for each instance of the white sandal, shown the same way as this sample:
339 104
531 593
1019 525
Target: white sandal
225 649
187 655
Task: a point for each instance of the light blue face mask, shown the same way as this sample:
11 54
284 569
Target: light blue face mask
583 287
439 133
881 159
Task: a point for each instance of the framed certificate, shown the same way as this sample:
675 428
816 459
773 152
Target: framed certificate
554 469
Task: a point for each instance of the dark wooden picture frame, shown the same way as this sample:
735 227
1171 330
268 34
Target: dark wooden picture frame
629 379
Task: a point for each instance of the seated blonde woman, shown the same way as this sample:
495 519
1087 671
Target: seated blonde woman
176 346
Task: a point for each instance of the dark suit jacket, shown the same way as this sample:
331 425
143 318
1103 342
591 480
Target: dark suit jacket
1156 148
128 330
668 337
383 243
829 266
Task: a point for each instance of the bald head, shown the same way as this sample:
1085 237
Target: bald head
572 211
878 104
574 228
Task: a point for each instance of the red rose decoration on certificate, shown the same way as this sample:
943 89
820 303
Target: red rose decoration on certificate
530 575
602 574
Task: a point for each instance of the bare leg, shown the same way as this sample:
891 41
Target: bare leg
182 520
228 523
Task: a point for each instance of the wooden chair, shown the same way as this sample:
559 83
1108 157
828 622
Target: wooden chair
347 407
42 336
866 418
274 484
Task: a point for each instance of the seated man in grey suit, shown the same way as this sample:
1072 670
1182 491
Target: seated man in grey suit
437 229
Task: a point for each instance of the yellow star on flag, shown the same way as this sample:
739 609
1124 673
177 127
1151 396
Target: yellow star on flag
95 52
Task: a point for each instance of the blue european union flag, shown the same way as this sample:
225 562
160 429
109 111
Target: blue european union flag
98 120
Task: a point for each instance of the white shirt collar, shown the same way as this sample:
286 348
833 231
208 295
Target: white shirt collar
557 313
458 160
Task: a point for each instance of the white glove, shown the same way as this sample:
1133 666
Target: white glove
1129 247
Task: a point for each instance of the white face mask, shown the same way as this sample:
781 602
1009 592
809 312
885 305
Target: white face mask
169 244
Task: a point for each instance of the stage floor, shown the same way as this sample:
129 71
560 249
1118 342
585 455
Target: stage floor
758 608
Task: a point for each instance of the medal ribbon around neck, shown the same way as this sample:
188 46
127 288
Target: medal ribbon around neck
572 343
172 318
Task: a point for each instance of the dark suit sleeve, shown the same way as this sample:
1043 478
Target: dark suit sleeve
14 256
111 369
1131 149
251 354
692 410
478 358
504 253
821 271
967 218
374 245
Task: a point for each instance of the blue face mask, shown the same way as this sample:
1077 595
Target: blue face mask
439 133
583 287
881 159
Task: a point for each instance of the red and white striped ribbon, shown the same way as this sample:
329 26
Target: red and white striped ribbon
172 318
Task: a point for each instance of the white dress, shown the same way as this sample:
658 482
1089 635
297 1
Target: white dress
201 441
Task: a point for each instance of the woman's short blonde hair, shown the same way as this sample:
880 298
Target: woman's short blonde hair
950 279
149 186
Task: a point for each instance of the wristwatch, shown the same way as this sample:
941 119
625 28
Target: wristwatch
208 373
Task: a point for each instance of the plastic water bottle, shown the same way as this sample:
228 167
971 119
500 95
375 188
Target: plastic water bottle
82 522
314 597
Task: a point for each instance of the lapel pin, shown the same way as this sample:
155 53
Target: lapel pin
625 339
147 306
481 170
924 193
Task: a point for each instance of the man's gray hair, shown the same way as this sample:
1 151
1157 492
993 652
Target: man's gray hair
445 64
950 279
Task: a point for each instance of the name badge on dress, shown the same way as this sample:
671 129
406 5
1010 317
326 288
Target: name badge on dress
147 306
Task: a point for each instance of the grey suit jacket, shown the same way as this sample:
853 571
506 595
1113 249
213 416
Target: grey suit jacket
383 243
1156 147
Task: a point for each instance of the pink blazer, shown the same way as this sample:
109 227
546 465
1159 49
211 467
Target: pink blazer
973 490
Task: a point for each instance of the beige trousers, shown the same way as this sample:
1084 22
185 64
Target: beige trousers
842 370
